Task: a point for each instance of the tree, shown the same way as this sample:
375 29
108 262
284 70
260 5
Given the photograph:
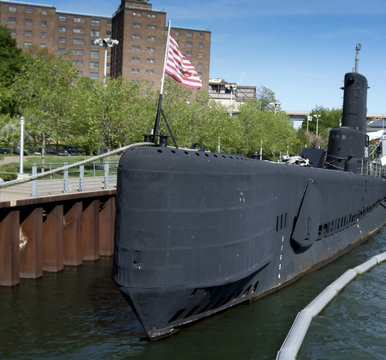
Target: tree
11 61
329 118
43 90
266 99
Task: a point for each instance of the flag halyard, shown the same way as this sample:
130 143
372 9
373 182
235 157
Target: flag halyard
180 68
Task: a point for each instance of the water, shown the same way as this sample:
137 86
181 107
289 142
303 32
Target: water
79 314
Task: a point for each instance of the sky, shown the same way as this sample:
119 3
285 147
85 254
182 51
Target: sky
300 49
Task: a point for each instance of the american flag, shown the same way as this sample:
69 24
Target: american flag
180 68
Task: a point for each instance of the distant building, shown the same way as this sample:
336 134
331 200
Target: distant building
141 32
230 95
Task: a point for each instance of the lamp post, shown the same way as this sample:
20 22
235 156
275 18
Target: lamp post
106 43
317 116
21 148
275 104
232 88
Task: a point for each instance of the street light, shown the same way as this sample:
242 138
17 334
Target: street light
275 104
106 42
232 88
317 116
21 148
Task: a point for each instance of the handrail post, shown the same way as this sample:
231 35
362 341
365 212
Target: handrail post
106 176
81 178
65 180
34 182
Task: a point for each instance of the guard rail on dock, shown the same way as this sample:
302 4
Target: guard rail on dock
298 331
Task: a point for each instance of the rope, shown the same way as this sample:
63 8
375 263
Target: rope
67 167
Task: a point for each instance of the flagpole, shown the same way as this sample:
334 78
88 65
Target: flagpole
156 124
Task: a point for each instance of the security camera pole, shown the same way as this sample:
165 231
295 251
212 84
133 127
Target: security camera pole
107 42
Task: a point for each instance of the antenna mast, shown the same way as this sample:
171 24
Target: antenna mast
357 49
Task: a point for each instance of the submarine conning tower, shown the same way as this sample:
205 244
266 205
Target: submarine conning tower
346 144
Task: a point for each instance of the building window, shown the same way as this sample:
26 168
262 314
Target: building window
137 14
188 53
28 10
150 49
150 38
189 43
62 40
151 27
200 74
201 45
27 44
135 48
189 33
61 50
201 35
77 62
109 33
94 65
200 54
80 73
150 60
135 59
95 22
150 72
200 64
151 16
93 44
108 64
12 8
42 45
62 28
12 20
28 21
27 33
136 36
95 32
78 52
78 41
43 23
78 20
176 32
94 54
94 75
13 31
135 70
78 31
43 35
137 26
44 12
62 18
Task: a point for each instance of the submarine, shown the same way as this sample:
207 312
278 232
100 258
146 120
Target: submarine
198 232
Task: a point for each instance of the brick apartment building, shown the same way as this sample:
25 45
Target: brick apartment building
140 30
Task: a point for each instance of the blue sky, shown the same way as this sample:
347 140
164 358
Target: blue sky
300 49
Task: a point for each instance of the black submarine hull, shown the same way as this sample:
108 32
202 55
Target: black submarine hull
198 232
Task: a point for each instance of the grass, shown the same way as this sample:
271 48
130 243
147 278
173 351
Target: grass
52 162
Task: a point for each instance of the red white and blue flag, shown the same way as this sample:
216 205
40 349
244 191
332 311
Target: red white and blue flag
180 68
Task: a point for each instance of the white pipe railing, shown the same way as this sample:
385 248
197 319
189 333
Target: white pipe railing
298 331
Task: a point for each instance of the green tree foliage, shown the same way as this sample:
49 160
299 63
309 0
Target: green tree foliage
43 89
11 61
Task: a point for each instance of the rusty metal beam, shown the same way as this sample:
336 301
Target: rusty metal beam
90 229
106 227
72 234
9 247
53 238
31 234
